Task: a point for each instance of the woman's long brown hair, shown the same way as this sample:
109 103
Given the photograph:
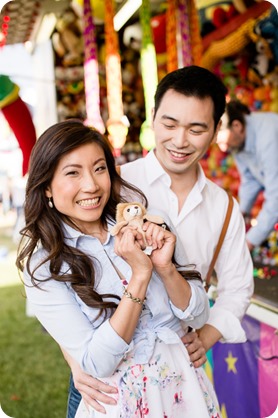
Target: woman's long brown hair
44 225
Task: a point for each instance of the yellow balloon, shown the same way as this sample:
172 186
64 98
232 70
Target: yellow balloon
97 6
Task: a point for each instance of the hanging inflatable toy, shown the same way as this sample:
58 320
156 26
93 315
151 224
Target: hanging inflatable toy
18 117
185 33
171 36
149 75
91 77
117 124
195 33
96 5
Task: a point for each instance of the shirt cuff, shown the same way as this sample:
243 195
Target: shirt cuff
227 324
255 236
195 308
106 340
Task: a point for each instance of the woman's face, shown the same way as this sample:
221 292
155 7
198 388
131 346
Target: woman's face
81 186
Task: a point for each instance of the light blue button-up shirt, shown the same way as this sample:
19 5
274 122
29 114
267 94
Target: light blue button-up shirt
92 341
258 167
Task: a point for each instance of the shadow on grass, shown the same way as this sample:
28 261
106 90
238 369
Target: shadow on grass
34 375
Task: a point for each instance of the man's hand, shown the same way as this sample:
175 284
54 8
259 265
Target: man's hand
250 246
195 348
93 390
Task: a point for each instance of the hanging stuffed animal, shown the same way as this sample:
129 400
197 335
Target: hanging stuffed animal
134 214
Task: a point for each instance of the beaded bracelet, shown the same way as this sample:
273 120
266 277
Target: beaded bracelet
129 296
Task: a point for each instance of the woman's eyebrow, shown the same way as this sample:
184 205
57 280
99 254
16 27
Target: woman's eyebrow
74 165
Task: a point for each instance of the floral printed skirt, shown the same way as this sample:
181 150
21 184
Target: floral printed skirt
168 386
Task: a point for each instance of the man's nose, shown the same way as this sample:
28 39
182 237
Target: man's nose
180 139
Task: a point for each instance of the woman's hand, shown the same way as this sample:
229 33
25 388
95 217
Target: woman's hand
128 245
163 244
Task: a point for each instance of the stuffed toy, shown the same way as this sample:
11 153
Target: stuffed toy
134 214
67 40
268 29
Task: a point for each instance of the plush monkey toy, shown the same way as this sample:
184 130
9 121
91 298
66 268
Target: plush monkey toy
134 214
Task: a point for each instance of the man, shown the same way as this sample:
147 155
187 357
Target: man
189 103
252 137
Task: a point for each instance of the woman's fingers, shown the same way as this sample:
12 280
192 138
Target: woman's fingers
155 235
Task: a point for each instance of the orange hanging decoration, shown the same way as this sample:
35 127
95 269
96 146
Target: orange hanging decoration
195 34
116 125
171 36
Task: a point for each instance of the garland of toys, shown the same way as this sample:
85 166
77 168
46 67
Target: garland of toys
116 126
195 34
149 75
91 78
171 36
185 33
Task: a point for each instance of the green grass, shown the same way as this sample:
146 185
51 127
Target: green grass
33 373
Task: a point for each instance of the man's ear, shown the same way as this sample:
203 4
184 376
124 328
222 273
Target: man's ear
152 116
218 127
237 127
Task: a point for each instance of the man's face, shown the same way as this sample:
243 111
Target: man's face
184 129
231 139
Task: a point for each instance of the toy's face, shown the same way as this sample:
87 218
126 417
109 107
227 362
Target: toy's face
131 211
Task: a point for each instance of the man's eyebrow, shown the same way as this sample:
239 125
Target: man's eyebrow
169 118
201 124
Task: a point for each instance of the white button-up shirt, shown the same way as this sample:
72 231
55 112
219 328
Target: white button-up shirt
198 225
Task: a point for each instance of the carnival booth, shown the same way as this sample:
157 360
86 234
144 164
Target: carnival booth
106 70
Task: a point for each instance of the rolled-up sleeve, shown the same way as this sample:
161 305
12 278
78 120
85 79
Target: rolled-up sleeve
56 306
197 312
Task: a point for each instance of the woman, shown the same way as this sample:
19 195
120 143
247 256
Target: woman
75 273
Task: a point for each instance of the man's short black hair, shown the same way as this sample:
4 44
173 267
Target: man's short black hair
236 110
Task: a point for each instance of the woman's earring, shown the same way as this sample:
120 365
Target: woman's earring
50 203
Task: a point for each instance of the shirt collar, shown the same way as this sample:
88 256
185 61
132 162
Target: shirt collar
201 179
72 235
249 135
155 171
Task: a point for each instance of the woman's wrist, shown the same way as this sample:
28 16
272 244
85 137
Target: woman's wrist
165 271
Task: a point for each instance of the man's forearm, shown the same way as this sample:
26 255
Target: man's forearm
71 362
209 336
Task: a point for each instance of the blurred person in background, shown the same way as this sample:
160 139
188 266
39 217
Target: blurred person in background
252 138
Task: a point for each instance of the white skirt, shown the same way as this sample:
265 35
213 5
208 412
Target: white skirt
168 386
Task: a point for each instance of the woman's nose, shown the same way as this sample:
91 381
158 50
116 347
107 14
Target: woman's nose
90 184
